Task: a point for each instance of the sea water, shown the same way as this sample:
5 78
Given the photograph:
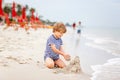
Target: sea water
106 38
99 51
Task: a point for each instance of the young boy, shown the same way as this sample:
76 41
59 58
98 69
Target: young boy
54 48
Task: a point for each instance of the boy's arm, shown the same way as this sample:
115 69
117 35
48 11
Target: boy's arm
61 49
66 56
57 50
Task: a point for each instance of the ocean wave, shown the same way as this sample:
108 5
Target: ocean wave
105 43
107 71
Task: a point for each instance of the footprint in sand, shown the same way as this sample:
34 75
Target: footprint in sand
4 63
19 60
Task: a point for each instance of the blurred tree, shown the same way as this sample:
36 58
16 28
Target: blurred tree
7 9
19 10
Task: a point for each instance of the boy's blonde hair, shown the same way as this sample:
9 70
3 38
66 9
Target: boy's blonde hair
60 27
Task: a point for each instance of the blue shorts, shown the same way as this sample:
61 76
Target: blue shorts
52 57
78 31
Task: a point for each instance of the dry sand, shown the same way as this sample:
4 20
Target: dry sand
21 57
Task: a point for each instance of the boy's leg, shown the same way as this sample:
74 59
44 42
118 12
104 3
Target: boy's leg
49 62
60 63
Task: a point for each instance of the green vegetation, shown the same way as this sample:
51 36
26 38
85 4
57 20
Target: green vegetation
7 9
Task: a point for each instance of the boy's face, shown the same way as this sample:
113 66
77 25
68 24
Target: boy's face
59 34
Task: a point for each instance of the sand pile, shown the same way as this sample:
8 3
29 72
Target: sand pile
72 67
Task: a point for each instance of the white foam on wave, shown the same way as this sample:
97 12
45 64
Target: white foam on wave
107 71
97 46
105 43
98 39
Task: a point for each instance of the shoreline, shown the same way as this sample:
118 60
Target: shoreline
89 56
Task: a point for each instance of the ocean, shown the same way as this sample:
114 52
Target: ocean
98 49
105 38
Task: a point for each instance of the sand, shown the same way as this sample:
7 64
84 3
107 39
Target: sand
21 57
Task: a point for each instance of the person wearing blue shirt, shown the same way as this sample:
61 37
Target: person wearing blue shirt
54 48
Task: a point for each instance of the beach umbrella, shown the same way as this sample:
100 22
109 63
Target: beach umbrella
1 11
13 10
23 13
32 16
38 20
7 19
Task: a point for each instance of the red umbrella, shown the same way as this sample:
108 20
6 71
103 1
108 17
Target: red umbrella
37 18
1 11
32 16
7 19
13 10
23 13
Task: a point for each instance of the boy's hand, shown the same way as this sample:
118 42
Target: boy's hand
67 57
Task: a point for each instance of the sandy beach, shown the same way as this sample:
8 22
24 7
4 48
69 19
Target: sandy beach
21 56
92 39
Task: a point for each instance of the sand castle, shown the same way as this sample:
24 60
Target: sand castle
72 67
